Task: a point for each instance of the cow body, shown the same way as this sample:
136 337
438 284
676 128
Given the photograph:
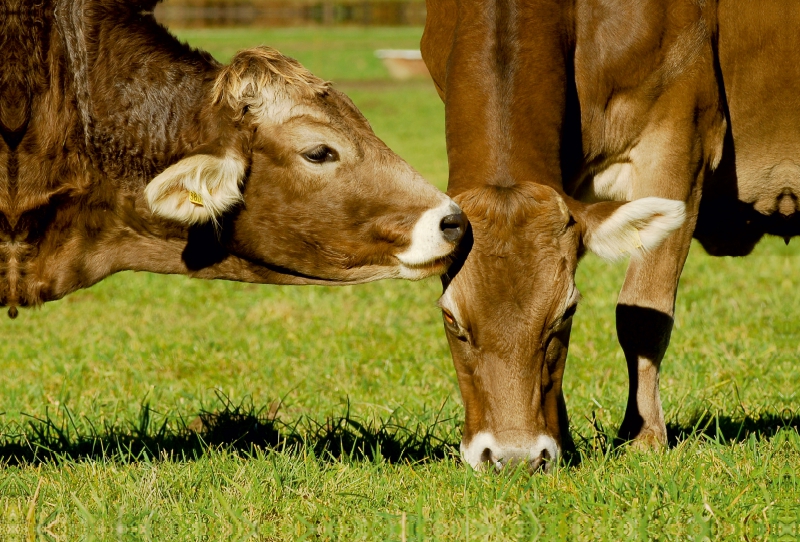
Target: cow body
586 104
123 148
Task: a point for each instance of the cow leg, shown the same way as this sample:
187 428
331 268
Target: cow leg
644 323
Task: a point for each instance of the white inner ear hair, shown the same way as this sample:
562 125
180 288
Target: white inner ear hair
197 189
636 227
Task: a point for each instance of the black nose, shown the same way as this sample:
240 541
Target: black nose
453 227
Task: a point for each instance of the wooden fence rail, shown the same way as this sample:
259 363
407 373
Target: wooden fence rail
202 13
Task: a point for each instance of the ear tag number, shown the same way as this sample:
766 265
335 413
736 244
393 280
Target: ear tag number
195 198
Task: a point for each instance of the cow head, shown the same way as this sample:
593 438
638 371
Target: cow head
508 308
309 189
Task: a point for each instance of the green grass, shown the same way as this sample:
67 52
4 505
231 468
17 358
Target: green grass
334 413
337 54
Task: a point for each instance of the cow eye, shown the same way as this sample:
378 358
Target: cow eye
453 326
321 154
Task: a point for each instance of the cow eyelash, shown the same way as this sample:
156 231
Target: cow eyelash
321 155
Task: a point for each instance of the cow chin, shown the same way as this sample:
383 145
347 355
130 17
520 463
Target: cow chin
373 273
540 453
433 268
365 273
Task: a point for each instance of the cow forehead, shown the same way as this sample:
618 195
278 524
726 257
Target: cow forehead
523 256
535 240
505 210
512 291
317 113
280 108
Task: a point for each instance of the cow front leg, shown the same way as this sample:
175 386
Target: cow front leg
645 312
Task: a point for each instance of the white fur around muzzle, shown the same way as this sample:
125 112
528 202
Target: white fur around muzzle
499 456
427 239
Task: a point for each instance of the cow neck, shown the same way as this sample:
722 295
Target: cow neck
141 94
506 94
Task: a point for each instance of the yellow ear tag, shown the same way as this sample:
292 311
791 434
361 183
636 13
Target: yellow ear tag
638 238
637 243
195 198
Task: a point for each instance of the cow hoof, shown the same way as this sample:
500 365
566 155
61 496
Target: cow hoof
643 439
649 441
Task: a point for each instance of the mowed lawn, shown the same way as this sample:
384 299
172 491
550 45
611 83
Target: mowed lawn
162 408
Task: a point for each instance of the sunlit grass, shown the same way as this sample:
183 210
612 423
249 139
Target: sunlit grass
334 413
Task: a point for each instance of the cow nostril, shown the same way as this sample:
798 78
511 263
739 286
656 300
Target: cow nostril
486 456
453 227
543 463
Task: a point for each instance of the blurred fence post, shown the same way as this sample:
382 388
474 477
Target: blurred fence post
276 13
328 13
367 13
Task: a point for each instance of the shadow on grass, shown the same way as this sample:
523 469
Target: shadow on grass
727 429
244 429
705 426
238 428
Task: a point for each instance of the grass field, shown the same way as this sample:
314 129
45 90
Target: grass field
334 413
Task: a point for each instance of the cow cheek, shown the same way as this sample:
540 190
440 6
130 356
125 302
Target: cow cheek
280 235
552 375
470 386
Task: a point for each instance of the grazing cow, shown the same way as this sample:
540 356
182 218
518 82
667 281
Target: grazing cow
123 148
557 113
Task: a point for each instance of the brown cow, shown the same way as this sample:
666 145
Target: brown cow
124 149
556 114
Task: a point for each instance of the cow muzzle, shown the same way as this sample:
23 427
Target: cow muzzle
540 453
435 235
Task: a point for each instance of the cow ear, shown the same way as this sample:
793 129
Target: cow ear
197 189
614 230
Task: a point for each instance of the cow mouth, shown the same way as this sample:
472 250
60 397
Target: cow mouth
441 261
436 266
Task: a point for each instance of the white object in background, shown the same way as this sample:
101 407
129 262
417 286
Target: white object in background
403 63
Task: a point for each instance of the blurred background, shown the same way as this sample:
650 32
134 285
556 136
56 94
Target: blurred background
282 13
